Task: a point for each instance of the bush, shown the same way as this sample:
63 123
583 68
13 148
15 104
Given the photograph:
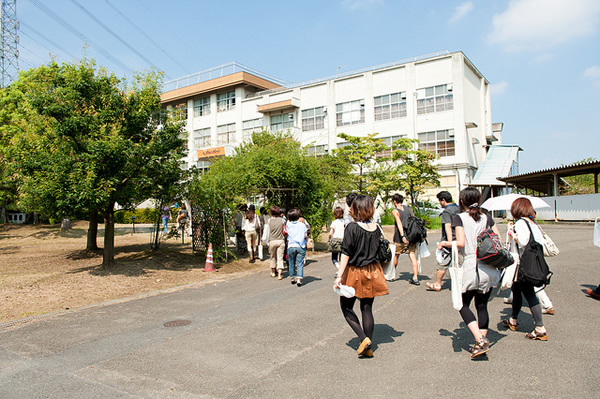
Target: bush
145 215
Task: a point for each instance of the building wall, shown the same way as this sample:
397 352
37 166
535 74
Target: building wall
467 87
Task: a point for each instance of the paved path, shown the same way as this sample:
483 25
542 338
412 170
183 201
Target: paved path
257 337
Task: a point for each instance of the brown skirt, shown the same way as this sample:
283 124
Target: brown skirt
368 281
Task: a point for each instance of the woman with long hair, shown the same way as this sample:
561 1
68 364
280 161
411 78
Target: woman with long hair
250 226
360 269
276 242
478 278
522 210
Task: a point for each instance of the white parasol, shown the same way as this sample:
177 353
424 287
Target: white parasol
504 202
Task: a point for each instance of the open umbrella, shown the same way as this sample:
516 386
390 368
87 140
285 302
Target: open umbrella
504 202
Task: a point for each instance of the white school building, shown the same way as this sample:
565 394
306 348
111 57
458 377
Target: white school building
442 99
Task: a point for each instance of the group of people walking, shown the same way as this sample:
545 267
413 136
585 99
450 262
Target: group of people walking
360 267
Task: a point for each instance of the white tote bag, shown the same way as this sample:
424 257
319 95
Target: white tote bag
389 271
456 275
597 233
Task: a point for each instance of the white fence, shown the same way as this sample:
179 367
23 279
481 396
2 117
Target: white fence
571 207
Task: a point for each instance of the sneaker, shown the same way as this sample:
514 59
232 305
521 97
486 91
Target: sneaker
299 284
508 301
548 311
293 281
414 282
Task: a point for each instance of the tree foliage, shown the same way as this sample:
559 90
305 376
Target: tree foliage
84 140
362 153
273 167
416 168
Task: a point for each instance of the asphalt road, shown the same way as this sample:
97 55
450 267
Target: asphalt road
257 337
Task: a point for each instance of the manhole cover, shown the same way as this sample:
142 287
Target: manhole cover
177 323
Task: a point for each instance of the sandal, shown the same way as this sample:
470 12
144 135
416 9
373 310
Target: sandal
480 347
509 325
364 346
432 287
537 335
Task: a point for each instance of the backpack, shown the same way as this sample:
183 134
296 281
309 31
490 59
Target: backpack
415 230
491 251
533 268
384 252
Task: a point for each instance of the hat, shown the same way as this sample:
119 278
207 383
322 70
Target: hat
251 207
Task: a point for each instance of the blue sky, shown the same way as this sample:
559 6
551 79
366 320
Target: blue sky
542 57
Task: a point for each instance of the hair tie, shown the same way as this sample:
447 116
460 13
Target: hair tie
474 206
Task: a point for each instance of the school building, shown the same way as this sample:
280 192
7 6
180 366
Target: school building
442 99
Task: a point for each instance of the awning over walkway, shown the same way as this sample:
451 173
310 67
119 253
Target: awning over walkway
500 161
543 181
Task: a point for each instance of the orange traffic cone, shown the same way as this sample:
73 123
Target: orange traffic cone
209 266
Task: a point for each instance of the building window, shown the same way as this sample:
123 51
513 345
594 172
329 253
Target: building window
313 119
202 138
252 125
434 99
390 106
350 113
226 101
440 142
203 166
316 150
202 107
178 110
282 122
226 133
388 141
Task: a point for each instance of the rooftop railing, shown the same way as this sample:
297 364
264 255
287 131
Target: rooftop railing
216 72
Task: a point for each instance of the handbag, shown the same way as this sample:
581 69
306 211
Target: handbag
310 244
334 244
550 249
384 253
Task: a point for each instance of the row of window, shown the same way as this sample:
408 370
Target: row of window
440 142
389 106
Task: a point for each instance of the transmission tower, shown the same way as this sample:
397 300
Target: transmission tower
9 58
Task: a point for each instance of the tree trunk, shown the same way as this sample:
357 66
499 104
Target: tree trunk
158 227
108 254
92 231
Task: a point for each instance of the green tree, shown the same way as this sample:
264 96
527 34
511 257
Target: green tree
416 168
579 184
273 166
85 140
362 153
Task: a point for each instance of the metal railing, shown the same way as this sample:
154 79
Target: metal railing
216 72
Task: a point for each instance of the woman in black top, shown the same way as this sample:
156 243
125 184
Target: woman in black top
360 269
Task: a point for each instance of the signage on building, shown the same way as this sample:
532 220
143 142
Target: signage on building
211 153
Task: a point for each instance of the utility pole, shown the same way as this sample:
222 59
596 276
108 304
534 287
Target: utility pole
9 55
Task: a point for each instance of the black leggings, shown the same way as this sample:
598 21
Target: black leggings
335 256
366 309
529 292
481 301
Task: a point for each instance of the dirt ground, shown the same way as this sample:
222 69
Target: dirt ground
45 270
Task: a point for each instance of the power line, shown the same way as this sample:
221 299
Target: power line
75 32
142 32
39 56
45 38
106 28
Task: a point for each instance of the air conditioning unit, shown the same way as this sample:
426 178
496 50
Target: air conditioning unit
324 110
449 87
291 117
403 96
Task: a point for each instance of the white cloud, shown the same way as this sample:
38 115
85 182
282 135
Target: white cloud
360 4
498 88
593 73
540 24
461 11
